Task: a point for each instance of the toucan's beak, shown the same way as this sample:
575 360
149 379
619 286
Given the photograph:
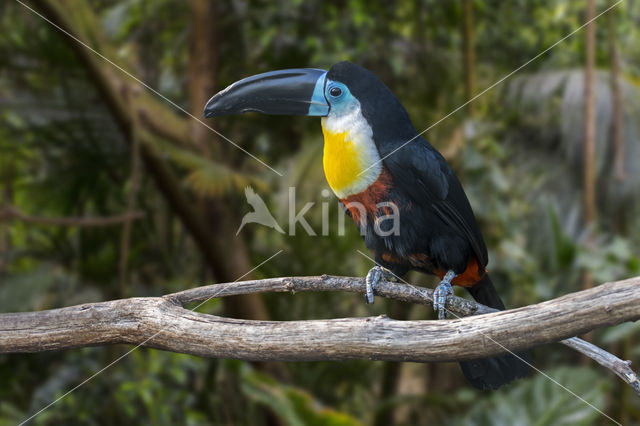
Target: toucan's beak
298 91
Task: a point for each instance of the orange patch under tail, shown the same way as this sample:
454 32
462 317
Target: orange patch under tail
469 277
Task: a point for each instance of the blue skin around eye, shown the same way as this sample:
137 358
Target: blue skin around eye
322 101
342 103
319 106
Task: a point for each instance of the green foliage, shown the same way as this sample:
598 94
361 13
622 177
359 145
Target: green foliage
293 406
63 154
208 178
547 403
619 332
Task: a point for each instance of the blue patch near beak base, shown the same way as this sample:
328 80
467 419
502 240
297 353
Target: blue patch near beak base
319 106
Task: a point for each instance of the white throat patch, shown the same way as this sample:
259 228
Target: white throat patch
349 150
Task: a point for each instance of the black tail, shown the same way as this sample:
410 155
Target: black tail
491 373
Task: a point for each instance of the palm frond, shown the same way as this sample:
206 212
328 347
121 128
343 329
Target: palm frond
208 178
550 110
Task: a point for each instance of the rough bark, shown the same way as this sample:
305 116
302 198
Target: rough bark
163 323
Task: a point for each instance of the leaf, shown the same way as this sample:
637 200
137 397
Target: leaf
208 177
539 401
292 405
29 290
619 332
551 103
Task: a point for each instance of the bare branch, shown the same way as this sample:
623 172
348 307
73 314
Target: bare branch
13 213
604 358
402 292
163 323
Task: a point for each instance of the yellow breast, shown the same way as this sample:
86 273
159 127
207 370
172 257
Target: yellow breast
351 159
341 161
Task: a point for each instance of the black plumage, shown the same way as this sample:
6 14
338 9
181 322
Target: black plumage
438 230
433 204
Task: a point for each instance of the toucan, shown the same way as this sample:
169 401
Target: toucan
380 168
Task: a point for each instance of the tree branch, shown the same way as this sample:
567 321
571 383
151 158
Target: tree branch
77 18
163 323
13 213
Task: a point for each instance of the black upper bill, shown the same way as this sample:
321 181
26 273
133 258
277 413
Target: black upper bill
287 92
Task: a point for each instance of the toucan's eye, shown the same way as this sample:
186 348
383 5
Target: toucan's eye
335 92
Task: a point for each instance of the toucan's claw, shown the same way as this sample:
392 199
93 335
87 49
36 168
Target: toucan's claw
374 276
440 294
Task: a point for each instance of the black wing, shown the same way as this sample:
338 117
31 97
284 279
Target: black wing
429 181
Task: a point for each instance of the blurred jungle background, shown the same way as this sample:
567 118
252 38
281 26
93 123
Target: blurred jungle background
108 191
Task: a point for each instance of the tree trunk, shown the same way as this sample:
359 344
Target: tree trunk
589 177
589 119
219 213
134 184
5 236
616 101
468 55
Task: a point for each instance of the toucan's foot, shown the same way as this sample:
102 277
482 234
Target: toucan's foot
440 294
374 276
